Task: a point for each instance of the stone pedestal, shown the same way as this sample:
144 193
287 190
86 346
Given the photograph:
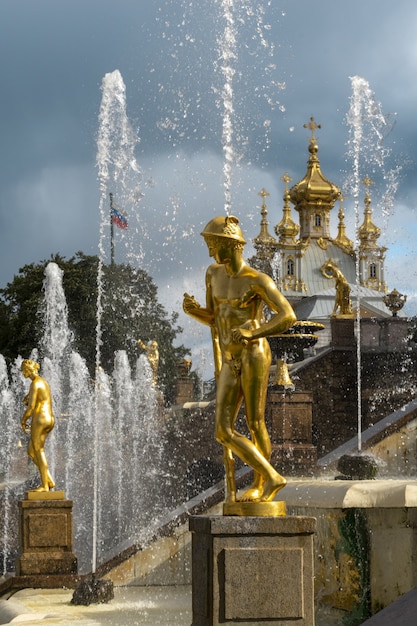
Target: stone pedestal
290 420
184 391
343 332
251 570
45 537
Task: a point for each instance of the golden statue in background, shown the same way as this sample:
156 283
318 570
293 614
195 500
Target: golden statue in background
342 301
39 407
235 298
153 357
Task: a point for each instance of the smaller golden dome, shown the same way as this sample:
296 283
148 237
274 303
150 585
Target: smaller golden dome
368 233
287 230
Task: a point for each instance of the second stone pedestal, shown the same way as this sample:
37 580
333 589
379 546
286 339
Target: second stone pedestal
251 570
343 332
45 536
290 419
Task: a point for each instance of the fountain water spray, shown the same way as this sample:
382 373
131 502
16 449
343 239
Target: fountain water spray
233 57
116 161
56 342
7 442
368 129
228 56
117 411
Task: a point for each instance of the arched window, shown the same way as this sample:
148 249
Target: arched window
372 270
318 219
290 267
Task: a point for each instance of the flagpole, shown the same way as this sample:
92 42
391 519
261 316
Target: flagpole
111 231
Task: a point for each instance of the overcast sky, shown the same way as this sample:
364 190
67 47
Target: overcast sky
292 60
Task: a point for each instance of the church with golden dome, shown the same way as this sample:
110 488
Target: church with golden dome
300 255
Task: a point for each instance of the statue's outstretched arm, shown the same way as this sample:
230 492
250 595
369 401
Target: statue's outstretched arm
195 310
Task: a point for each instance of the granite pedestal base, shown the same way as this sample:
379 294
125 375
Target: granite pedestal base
45 537
252 570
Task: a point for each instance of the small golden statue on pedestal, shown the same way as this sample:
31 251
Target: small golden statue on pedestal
153 357
235 298
342 301
39 407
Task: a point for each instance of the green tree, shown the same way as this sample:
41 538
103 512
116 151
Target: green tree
130 311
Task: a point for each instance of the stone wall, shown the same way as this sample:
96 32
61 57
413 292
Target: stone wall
388 381
332 381
196 459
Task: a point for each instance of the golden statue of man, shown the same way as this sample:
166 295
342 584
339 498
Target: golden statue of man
39 407
235 299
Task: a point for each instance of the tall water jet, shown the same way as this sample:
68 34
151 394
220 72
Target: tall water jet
238 57
8 438
78 436
228 56
56 341
368 128
115 160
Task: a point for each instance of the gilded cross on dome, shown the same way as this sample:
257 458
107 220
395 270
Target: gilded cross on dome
312 126
287 179
264 194
367 182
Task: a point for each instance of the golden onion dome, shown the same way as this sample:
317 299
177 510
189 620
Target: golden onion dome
314 188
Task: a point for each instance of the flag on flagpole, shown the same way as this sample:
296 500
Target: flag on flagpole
119 218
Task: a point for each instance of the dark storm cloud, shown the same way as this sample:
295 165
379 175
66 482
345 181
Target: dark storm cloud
54 56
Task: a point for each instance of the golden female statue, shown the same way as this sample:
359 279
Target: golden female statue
39 407
153 358
235 298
